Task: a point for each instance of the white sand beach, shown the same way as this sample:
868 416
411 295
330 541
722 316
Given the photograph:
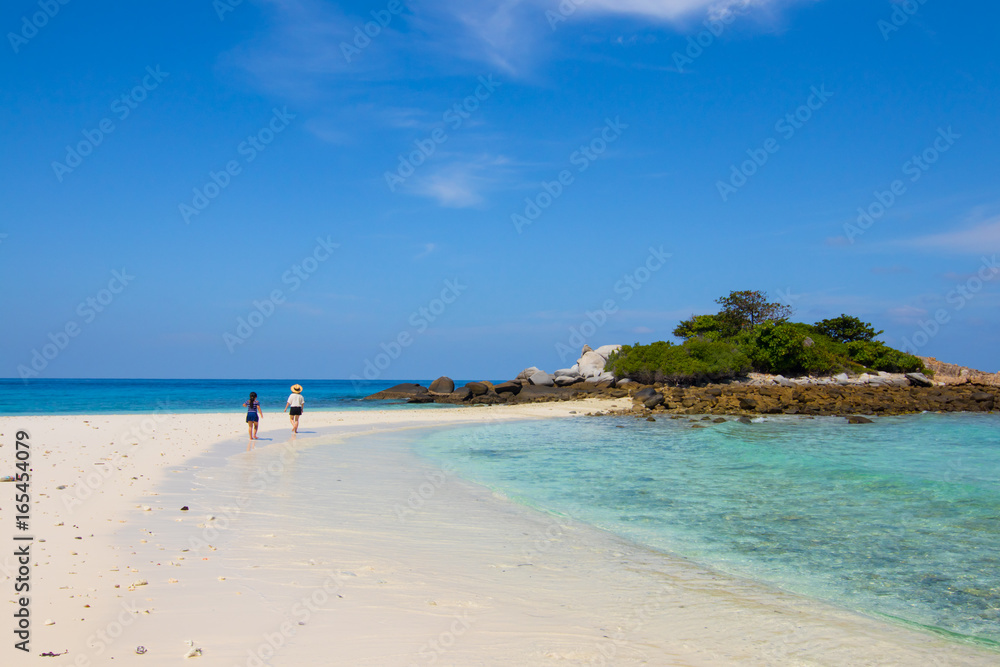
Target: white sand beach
409 565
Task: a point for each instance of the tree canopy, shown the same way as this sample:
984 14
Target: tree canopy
848 329
745 309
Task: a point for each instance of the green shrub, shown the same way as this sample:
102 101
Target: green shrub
780 348
696 360
751 332
880 357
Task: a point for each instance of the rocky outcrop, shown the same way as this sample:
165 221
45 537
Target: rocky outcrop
858 396
820 400
954 374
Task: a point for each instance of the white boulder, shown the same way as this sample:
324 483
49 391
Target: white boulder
541 379
591 364
606 350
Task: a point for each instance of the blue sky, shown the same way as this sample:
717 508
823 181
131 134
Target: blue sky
474 189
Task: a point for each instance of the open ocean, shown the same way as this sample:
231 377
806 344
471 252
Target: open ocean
898 519
54 397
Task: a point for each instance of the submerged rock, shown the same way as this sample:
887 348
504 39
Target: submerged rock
859 420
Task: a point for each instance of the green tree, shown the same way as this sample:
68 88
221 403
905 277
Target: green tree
699 325
745 309
847 329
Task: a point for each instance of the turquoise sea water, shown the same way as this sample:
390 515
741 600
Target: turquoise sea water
48 397
899 518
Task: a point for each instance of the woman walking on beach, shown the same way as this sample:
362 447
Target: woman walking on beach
254 413
294 406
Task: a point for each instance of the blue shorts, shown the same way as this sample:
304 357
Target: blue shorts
252 417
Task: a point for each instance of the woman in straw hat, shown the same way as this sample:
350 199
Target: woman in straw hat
294 406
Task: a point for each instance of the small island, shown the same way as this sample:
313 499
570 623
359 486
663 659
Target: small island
747 359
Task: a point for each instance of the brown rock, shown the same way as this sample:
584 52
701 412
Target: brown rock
477 388
405 390
443 385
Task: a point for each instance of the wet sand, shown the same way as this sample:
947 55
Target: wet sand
343 548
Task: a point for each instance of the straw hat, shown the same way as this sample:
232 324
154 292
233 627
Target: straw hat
297 388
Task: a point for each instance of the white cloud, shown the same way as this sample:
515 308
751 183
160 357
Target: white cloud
978 239
452 188
670 10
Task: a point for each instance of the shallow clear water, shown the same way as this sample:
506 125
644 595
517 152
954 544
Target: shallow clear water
898 518
48 397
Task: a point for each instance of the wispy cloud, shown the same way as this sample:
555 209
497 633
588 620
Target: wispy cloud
453 188
462 182
303 51
428 249
670 10
977 239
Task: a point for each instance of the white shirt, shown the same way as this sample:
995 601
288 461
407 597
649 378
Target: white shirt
296 401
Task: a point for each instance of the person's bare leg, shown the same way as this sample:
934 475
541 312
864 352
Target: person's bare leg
295 424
